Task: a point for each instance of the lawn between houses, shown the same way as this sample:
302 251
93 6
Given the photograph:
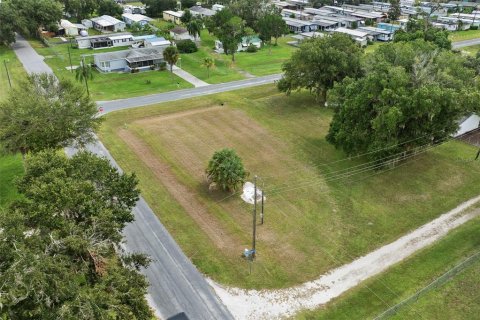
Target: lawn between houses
307 231
109 86
456 299
260 63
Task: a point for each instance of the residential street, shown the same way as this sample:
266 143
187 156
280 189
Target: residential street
175 284
115 105
466 43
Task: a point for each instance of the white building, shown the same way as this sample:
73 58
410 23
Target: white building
199 11
104 41
468 124
242 46
131 18
180 33
71 29
218 7
129 60
108 24
172 16
357 35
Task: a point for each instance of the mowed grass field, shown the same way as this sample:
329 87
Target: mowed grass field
10 168
15 70
109 86
312 223
456 299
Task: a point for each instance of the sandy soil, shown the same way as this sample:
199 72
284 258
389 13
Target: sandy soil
274 304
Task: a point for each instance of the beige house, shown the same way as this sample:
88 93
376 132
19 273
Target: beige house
172 16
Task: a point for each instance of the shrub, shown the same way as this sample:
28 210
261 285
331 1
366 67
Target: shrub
152 67
252 48
226 169
473 27
162 66
186 46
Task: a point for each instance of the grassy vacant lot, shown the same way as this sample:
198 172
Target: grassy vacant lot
464 35
109 86
15 69
457 299
308 230
10 168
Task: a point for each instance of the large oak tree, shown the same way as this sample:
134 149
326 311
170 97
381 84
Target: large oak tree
43 112
412 95
319 63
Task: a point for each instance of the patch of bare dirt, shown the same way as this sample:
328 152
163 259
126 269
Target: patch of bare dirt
182 194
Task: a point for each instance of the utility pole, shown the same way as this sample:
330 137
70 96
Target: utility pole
261 214
254 216
69 56
8 74
85 75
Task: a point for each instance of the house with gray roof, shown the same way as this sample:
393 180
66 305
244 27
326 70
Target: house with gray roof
107 24
199 11
130 60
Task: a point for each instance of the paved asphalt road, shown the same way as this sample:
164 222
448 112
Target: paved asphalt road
175 285
466 43
114 105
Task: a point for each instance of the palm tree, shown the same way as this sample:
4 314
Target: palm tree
171 56
84 73
208 63
194 28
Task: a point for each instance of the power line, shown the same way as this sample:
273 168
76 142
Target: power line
377 163
316 181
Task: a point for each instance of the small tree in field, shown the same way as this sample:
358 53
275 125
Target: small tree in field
208 63
226 169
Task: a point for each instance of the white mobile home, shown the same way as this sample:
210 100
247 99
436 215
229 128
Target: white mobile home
104 41
131 18
172 16
126 60
357 35
108 24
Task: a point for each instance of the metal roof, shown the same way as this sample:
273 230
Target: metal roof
106 21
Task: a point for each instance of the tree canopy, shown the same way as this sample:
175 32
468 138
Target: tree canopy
423 30
80 9
394 12
226 169
271 25
110 7
319 63
155 8
412 95
229 29
8 24
59 243
28 17
43 112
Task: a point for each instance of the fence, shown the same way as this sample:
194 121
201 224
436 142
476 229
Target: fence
433 285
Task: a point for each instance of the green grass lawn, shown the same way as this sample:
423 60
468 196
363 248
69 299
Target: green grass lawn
464 35
15 69
471 50
223 71
265 61
10 168
457 299
281 139
109 86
